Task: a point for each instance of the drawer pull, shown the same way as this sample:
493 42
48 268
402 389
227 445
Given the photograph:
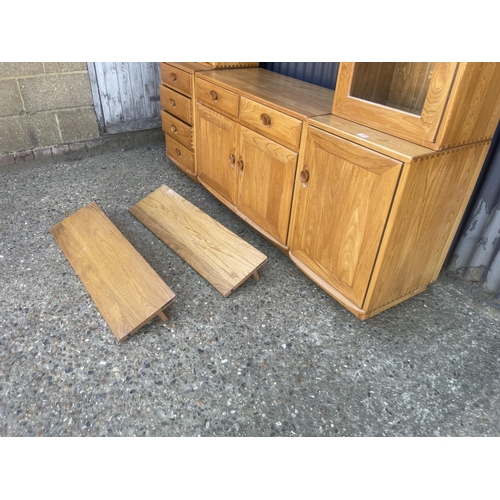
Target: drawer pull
265 120
214 95
304 176
178 151
173 128
173 76
232 159
172 103
240 164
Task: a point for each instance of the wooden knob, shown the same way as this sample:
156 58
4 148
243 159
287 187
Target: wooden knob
304 176
172 103
178 151
265 119
214 95
173 76
232 159
173 128
240 164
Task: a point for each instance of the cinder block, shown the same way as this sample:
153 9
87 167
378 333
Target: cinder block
24 156
22 132
20 68
6 160
61 150
13 136
42 153
63 67
10 98
78 124
53 92
77 147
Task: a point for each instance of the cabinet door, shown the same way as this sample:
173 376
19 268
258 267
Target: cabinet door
266 177
216 145
342 199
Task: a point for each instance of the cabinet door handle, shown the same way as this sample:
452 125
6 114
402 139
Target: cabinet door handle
173 76
265 120
240 164
214 95
172 103
178 151
173 128
304 176
232 159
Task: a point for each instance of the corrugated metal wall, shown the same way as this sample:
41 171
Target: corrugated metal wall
319 73
475 252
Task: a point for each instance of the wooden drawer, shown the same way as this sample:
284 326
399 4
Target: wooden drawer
273 124
176 78
181 155
176 104
217 98
177 129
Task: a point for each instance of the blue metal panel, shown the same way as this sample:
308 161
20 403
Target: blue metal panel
475 253
323 74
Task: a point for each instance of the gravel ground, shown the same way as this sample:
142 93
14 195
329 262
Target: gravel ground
278 357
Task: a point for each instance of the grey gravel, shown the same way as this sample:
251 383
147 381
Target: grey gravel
278 357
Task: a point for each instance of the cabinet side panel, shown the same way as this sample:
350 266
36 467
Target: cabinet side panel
474 109
429 204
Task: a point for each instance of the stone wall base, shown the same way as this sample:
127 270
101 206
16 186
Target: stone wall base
115 142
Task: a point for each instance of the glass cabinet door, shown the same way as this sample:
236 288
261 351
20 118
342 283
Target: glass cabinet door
406 99
401 86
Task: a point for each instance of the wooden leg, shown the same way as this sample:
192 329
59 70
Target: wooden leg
163 316
256 276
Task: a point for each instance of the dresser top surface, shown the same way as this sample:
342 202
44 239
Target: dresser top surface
283 92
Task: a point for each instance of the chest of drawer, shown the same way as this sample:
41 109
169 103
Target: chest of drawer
217 98
176 78
273 124
180 154
176 104
177 129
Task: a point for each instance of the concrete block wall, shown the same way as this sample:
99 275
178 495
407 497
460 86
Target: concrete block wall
44 105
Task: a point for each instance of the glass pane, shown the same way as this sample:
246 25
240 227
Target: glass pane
400 85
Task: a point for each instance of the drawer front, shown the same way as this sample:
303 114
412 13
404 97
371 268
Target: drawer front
272 123
177 129
176 78
217 98
176 104
181 155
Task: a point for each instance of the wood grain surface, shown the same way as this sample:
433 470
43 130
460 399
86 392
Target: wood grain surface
293 97
218 255
124 287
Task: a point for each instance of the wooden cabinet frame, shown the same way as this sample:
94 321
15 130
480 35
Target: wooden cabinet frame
249 126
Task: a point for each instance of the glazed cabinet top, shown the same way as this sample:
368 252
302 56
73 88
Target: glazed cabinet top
438 105
291 96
